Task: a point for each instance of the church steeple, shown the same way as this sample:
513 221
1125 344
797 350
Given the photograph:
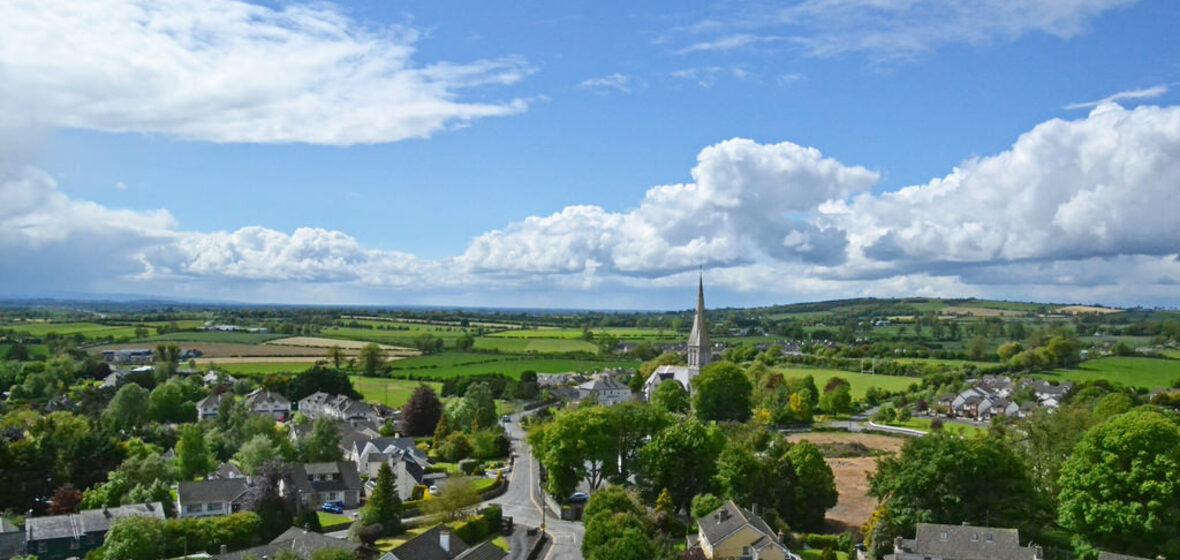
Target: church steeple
700 350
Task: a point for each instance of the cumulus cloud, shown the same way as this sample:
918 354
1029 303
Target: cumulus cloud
890 29
231 71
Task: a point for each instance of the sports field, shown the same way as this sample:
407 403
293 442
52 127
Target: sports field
860 382
1145 373
390 392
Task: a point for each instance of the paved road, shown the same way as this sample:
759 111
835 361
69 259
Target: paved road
523 501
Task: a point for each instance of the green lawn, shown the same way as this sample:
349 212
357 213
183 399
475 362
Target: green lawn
460 364
814 554
949 427
36 351
1145 373
327 519
860 382
535 345
398 334
390 392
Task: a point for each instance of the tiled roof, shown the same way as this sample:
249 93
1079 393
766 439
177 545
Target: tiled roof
75 525
207 491
426 547
967 542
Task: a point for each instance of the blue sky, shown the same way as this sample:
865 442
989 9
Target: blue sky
475 154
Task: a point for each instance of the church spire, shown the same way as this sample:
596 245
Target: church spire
700 350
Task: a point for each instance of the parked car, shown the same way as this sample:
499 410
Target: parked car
579 498
505 419
333 507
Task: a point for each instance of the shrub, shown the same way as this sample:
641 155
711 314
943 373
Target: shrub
469 466
822 541
455 447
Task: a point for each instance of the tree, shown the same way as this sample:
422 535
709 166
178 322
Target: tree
838 400
65 500
977 347
617 536
476 409
429 344
371 359
421 413
321 379
942 478
609 501
167 403
721 392
816 487
336 355
1119 489
1009 349
126 410
384 507
335 553
465 342
453 499
576 444
671 397
879 533
323 443
192 455
135 538
682 459
704 504
256 452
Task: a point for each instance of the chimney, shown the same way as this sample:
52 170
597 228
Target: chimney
444 540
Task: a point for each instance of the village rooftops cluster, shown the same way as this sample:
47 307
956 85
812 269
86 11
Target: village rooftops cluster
963 542
992 395
340 407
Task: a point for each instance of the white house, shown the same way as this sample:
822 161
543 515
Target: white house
272 404
209 406
605 391
209 497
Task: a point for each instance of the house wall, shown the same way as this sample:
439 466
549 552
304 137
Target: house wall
61 549
772 553
204 509
732 546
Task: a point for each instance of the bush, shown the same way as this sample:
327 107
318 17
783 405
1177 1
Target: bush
468 466
455 447
417 493
481 526
307 519
822 541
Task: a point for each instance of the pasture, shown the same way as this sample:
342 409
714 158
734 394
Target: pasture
1144 373
348 346
391 392
86 329
460 364
229 337
396 334
535 345
260 367
859 382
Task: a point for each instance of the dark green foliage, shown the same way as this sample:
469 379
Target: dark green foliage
704 504
323 443
671 397
421 413
721 392
682 459
308 519
454 448
320 379
384 508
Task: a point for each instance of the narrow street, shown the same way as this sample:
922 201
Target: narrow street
524 499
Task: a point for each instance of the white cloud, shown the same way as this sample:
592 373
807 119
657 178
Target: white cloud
788 79
616 81
1146 93
121 186
704 76
230 71
726 43
892 29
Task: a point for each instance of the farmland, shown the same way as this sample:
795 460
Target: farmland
459 364
535 345
250 368
232 337
1144 373
87 330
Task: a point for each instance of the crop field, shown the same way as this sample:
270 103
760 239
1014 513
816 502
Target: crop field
457 364
1145 373
260 368
860 382
1171 354
1087 309
88 330
232 337
625 333
390 392
348 346
535 345
185 324
982 311
403 335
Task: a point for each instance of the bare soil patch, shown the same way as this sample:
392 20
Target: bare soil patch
1086 309
854 505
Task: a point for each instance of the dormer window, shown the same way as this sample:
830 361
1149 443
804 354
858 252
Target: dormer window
974 537
988 537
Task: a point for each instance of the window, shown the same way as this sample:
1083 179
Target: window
942 537
988 537
974 537
213 507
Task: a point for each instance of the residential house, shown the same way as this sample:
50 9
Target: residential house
218 378
406 459
340 407
227 470
732 531
58 537
317 483
265 402
604 390
128 356
402 446
12 539
301 542
206 498
963 542
438 543
209 406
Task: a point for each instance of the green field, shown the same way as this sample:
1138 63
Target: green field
217 336
1174 354
88 330
625 333
923 424
37 351
535 345
1145 373
860 382
328 519
390 392
460 364
404 335
261 368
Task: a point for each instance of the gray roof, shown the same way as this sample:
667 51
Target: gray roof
263 396
75 525
228 470
215 490
426 547
346 479
967 542
303 543
7 527
485 551
727 519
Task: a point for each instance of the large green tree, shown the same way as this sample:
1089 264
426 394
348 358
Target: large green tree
681 459
615 528
721 392
943 478
671 397
384 506
135 538
192 455
323 443
816 487
371 359
127 411
258 451
1120 489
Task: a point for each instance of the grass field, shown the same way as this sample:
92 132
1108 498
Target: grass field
37 351
965 430
263 368
88 330
815 554
625 333
403 335
1175 354
860 382
460 364
217 336
535 345
1145 373
390 392
327 519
